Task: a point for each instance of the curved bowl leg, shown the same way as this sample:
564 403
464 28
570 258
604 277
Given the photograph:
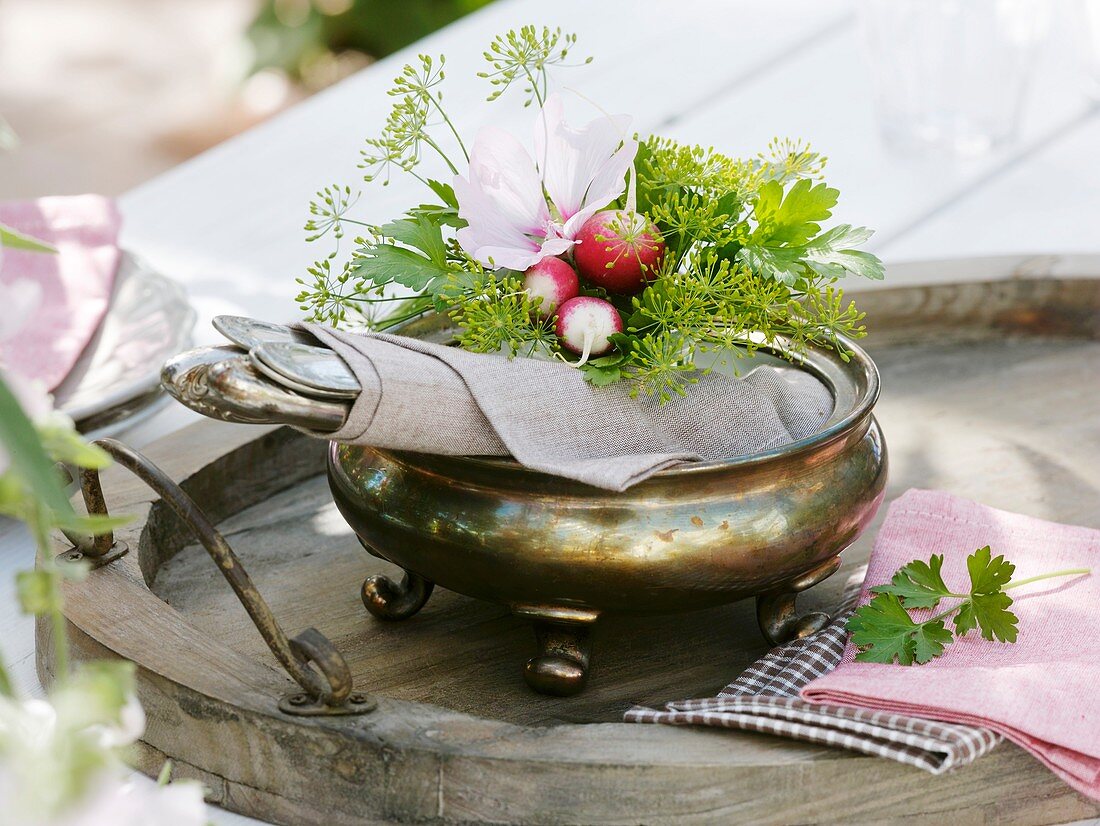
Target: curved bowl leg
777 613
389 600
560 668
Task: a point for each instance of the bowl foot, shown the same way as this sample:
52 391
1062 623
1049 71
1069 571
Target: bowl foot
561 666
777 613
389 600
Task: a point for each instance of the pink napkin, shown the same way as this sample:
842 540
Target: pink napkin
1043 692
73 286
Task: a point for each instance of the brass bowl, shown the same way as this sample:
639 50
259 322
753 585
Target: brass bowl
562 553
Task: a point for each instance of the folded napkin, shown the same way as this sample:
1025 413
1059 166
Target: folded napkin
765 698
1043 692
72 288
430 398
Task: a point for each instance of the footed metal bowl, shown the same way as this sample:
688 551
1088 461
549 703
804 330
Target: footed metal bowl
562 553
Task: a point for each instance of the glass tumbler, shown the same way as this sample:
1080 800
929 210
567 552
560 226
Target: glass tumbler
950 75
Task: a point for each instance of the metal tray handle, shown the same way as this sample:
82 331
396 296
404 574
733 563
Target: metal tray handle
309 658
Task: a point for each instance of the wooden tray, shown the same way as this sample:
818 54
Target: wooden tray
990 391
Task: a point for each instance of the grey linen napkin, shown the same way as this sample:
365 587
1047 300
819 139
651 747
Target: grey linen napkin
430 398
765 698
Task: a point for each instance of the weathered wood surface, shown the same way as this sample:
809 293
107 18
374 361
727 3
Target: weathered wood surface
989 392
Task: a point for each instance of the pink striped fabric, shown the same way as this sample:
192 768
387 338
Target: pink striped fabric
1043 692
73 287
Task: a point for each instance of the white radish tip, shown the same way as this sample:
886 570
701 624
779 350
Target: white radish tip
585 325
552 280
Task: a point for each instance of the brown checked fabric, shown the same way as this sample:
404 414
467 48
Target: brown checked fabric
765 699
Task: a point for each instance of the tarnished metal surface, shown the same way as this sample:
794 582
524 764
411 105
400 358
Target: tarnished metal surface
776 612
251 332
309 658
389 600
694 536
220 382
560 667
691 537
318 369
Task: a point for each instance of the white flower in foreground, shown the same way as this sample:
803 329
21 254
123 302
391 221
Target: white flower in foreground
138 803
510 222
18 300
109 802
37 404
60 766
128 730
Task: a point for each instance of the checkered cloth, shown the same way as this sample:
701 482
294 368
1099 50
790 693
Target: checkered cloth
765 698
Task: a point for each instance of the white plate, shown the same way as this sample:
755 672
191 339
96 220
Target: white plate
118 374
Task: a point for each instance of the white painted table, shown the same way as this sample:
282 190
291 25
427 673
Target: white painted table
731 73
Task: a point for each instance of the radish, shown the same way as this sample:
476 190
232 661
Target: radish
585 324
552 280
619 250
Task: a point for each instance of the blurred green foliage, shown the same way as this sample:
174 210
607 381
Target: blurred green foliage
297 36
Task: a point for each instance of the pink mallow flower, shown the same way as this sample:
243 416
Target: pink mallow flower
510 221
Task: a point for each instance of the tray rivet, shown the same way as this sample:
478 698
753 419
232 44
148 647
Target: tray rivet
75 555
301 704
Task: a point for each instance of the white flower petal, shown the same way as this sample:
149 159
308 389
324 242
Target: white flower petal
605 187
138 802
129 729
582 169
503 169
504 202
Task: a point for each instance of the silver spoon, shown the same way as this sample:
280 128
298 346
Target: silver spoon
251 332
291 384
316 369
221 383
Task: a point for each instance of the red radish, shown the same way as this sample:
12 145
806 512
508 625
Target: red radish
619 250
585 324
552 280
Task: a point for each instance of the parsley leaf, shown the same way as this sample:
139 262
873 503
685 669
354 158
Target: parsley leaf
886 632
603 371
792 220
781 263
929 640
445 192
830 255
918 584
385 263
988 606
990 613
420 233
988 575
444 216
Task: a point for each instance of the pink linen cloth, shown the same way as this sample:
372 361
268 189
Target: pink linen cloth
1043 692
73 286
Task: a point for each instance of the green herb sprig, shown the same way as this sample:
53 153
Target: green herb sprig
749 262
885 632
